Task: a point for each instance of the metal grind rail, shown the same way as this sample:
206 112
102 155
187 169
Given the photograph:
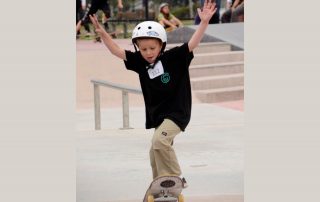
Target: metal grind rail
125 101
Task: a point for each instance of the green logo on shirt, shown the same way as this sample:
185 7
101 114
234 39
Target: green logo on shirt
165 78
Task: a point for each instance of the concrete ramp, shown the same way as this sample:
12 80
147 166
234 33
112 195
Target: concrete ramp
232 33
183 34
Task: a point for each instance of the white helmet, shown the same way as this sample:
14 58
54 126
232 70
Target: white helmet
162 5
150 29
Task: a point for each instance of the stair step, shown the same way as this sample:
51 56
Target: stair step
207 47
220 81
216 69
212 47
220 94
214 58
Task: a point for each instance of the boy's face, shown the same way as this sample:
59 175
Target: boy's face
149 49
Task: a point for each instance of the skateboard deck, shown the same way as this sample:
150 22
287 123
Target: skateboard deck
112 34
165 189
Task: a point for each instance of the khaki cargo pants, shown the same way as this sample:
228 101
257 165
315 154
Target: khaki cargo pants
162 156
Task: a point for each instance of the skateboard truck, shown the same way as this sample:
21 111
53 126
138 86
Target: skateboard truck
165 197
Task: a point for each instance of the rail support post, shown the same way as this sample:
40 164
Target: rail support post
97 113
125 110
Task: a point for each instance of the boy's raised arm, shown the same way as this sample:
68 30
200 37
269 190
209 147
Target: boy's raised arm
107 39
205 15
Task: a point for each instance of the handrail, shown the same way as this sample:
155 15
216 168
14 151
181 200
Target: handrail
125 101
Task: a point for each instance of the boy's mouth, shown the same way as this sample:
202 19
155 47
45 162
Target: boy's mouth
150 59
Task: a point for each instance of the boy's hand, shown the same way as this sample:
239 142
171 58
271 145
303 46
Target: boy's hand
120 6
209 8
205 15
99 29
107 40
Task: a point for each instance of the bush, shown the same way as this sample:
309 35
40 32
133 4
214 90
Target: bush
181 12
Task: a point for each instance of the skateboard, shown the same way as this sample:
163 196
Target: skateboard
98 38
165 189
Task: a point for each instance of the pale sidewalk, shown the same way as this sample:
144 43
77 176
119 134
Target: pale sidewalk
113 164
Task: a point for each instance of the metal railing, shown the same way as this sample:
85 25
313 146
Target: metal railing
125 101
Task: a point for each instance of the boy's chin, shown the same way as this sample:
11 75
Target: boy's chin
150 61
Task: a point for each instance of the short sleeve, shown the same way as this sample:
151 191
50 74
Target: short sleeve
131 61
171 16
160 16
182 52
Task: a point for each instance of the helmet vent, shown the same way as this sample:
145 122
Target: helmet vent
139 27
149 27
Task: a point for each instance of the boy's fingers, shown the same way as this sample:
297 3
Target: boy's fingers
211 4
214 10
95 17
199 11
93 20
92 17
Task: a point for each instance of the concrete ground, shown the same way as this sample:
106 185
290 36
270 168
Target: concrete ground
113 164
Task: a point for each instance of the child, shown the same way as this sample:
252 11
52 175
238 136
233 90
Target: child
165 83
167 19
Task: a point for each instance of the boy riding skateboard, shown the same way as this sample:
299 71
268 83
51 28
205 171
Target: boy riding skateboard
165 83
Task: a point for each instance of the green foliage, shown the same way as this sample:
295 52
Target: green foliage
181 12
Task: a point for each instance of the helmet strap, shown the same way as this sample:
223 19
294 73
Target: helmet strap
163 47
135 48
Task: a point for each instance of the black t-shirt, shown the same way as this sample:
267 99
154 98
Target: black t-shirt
169 94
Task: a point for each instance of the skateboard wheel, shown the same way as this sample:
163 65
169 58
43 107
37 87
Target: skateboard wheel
180 198
150 198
